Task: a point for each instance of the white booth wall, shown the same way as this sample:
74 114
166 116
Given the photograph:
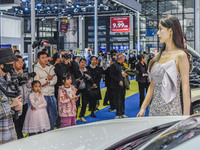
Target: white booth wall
12 29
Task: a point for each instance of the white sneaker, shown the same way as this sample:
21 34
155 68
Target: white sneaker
82 119
117 117
124 116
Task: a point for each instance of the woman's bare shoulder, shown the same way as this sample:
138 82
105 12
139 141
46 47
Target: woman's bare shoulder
181 54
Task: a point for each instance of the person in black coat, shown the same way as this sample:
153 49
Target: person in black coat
109 93
118 85
95 94
84 85
142 77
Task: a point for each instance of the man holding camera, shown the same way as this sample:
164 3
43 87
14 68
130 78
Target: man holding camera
7 105
47 77
24 86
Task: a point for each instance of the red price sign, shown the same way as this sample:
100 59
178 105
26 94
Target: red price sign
120 24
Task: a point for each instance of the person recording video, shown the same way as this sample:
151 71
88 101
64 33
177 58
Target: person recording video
24 86
7 104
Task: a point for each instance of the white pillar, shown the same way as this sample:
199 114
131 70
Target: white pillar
131 44
138 29
31 52
197 25
96 29
81 33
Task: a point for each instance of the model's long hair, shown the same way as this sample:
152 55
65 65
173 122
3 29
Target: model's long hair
170 21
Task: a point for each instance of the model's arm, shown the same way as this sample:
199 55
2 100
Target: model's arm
147 100
183 68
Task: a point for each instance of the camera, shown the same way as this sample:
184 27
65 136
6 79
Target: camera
22 78
37 44
66 56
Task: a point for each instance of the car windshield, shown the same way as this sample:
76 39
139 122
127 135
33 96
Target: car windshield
137 140
178 134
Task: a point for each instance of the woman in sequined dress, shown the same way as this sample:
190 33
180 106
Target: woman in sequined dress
167 70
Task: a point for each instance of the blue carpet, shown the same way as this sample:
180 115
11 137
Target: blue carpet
131 110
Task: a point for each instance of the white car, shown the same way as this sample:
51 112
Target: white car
114 134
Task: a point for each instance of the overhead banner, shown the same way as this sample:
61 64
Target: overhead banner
64 25
119 24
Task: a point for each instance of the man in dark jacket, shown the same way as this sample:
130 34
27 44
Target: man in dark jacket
142 77
109 92
117 83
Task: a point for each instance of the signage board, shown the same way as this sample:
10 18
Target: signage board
119 24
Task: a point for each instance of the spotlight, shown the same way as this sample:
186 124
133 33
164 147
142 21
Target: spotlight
24 1
21 12
43 19
48 7
16 9
69 2
26 9
63 10
76 10
69 17
39 5
67 6
72 6
55 7
56 19
83 9
89 5
106 8
77 6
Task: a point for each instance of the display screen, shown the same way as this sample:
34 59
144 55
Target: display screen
5 45
7 1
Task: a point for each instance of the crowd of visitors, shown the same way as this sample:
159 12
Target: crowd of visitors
64 82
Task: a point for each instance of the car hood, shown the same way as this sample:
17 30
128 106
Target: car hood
98 135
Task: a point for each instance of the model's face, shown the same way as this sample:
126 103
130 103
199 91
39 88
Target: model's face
164 34
19 64
43 59
36 87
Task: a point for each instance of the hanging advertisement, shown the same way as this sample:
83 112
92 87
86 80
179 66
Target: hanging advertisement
64 25
119 24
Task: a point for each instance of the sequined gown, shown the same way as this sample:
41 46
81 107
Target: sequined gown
166 97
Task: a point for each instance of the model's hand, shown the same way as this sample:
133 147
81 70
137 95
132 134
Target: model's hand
141 113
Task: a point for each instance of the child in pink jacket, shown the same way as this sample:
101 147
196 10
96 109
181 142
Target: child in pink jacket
67 102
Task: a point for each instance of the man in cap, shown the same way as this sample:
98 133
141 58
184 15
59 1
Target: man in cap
7 105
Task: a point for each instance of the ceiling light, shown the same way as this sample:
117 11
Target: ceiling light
83 9
76 10
43 19
56 19
106 8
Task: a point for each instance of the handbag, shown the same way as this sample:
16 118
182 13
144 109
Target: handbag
127 83
94 92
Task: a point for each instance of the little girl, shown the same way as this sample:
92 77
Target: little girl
37 119
67 102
